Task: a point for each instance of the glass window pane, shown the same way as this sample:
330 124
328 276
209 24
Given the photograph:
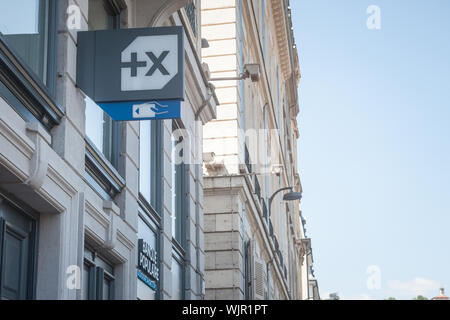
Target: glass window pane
177 280
174 190
106 289
104 264
108 139
179 202
85 282
24 23
99 129
178 171
145 165
94 123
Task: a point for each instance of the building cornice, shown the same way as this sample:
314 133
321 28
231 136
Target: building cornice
279 18
286 48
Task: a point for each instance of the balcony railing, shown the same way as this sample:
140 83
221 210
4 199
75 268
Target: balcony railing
247 160
264 209
257 188
275 243
281 257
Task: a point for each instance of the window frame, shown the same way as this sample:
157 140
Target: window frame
97 275
179 245
155 203
22 89
102 174
180 202
179 258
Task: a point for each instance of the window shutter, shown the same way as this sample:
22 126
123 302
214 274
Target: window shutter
257 273
249 269
259 278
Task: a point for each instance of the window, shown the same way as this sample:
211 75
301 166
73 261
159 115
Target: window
103 135
28 59
150 163
25 25
266 155
101 130
247 269
98 277
179 177
177 278
180 151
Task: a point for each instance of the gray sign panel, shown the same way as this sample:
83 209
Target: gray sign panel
131 64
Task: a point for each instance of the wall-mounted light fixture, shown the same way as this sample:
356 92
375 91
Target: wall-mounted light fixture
251 70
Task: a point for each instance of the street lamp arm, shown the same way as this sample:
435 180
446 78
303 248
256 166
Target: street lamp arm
277 192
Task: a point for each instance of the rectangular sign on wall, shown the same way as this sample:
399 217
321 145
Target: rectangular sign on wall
133 74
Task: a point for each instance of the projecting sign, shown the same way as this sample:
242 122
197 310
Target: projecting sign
133 74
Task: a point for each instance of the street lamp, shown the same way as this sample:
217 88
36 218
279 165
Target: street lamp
290 196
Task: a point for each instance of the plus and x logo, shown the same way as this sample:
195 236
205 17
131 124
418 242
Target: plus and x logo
149 63
157 64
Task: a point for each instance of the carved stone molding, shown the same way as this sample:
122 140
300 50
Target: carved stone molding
155 12
303 247
113 213
283 43
39 160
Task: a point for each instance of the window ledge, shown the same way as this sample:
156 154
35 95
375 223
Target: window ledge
148 208
178 247
27 88
99 168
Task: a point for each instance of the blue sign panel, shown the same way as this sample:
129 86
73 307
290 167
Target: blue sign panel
143 110
151 284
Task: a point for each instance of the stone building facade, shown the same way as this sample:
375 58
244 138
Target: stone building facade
78 190
254 240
